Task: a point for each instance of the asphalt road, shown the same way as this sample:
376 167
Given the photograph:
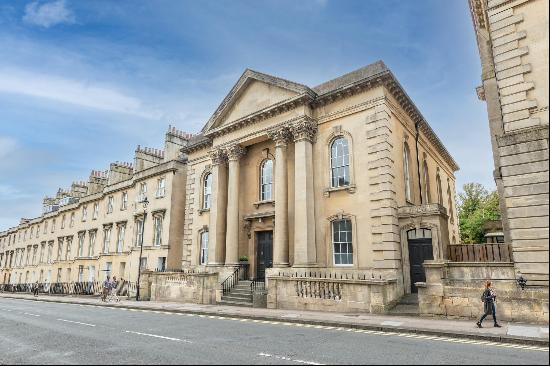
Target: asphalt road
49 333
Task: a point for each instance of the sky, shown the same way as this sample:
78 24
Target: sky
82 83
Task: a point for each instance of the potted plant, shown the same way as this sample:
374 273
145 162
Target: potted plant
243 259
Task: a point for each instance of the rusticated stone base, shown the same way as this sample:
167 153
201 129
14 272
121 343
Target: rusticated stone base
454 290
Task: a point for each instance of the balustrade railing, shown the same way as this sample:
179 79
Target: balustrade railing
486 252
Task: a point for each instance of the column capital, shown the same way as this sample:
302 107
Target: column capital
218 156
235 152
304 129
281 135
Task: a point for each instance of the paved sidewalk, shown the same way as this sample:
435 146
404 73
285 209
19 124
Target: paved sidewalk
510 332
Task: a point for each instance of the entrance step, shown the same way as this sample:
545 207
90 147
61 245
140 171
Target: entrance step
235 303
239 295
407 305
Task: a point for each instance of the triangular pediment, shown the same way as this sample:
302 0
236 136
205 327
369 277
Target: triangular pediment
252 93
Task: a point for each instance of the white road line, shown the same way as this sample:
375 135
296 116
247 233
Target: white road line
36 315
158 336
267 355
73 322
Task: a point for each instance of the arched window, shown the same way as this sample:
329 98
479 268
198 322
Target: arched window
439 189
450 200
339 163
266 180
207 191
407 171
342 242
426 179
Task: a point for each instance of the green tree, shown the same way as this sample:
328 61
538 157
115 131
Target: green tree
476 205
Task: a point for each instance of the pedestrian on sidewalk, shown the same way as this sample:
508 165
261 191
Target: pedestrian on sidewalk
114 290
35 289
489 298
106 289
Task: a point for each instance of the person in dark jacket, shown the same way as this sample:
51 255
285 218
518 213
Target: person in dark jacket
489 298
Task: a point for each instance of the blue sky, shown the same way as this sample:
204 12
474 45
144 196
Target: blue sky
83 82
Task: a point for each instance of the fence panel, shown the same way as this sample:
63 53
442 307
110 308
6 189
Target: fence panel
488 252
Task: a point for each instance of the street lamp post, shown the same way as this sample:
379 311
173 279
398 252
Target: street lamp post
145 202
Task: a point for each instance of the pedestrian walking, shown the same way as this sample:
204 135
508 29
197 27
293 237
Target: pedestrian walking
35 289
106 289
114 288
489 298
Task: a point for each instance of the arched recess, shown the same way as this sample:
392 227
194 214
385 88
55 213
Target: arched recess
436 247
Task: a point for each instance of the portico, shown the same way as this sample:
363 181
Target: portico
306 182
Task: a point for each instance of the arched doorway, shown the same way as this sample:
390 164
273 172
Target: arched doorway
420 249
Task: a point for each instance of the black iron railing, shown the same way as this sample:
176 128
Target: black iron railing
257 285
232 280
65 288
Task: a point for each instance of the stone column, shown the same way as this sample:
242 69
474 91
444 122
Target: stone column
234 154
218 209
305 253
281 136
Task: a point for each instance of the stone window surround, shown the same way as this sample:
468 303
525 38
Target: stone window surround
265 155
330 245
201 231
159 213
338 132
207 170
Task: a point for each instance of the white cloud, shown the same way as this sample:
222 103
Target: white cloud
76 92
48 14
7 146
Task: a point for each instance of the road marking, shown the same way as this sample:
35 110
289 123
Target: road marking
36 315
267 355
73 322
158 336
343 329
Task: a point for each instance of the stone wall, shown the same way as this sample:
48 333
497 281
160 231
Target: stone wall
330 294
454 289
198 288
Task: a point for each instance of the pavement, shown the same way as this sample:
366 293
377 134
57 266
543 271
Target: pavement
516 333
84 332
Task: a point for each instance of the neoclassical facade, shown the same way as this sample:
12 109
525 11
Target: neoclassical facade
95 228
345 179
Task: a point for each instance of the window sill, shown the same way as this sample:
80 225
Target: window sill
203 210
352 188
260 203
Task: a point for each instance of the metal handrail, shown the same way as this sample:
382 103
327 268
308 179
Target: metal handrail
257 285
231 281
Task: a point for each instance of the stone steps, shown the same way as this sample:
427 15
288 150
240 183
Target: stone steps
239 295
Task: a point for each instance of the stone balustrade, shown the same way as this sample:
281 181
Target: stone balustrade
332 292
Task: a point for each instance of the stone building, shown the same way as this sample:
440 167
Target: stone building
512 37
95 228
336 194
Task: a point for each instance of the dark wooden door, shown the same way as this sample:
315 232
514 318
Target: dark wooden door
420 250
264 240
